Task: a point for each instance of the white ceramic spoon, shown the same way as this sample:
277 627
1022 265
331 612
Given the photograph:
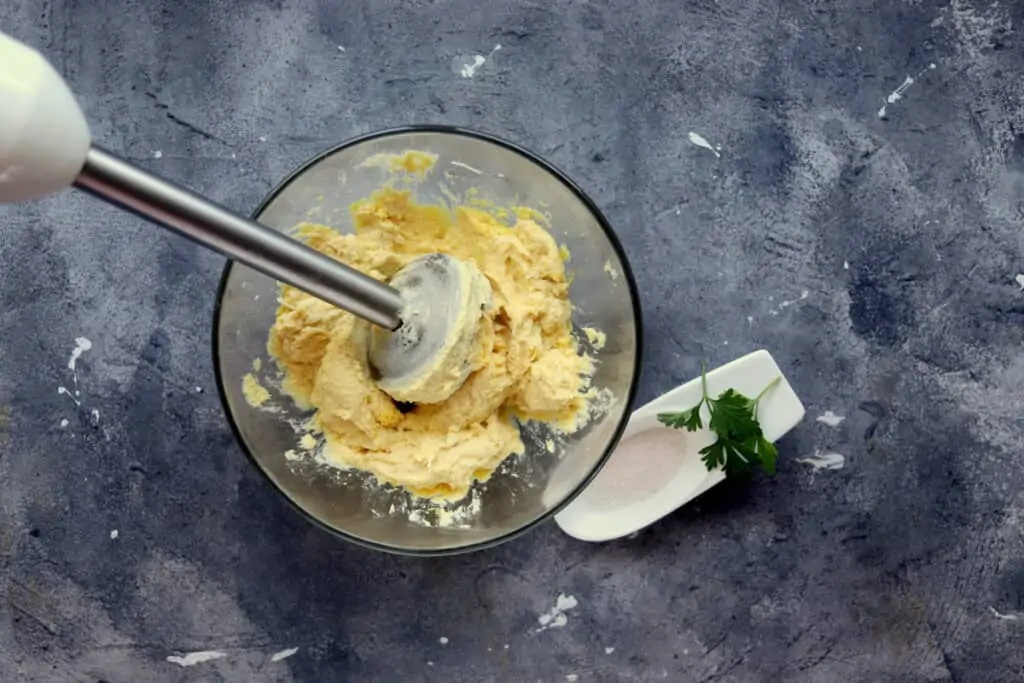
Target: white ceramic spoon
655 469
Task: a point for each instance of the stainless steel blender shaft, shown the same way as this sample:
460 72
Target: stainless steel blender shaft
211 225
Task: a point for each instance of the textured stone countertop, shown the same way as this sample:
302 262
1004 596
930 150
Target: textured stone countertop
863 219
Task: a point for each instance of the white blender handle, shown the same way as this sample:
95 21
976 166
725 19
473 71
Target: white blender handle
44 138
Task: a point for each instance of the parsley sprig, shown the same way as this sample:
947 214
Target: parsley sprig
741 444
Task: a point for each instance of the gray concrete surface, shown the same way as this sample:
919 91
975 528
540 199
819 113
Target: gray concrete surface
905 232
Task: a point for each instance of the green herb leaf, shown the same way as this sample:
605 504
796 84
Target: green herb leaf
688 419
741 445
769 455
732 416
713 455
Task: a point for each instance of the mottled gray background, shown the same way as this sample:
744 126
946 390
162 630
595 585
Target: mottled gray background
906 565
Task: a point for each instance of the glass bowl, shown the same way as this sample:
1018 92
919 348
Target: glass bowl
526 489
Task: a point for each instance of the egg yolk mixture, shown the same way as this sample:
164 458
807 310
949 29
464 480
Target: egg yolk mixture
526 364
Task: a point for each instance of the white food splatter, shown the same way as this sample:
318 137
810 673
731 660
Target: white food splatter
609 650
786 304
897 94
467 167
283 654
572 678
846 265
556 617
157 154
442 640
469 68
64 391
1009 616
829 418
1020 281
114 534
341 49
64 422
699 140
95 416
81 346
193 658
825 461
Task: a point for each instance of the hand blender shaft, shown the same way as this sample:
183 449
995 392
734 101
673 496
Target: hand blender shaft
270 252
45 146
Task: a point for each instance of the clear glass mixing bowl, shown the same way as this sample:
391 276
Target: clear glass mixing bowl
526 489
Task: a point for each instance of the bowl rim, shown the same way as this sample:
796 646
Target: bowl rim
627 273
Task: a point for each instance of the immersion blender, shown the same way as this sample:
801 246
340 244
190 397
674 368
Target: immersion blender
45 147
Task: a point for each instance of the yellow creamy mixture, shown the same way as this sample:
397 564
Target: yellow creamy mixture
525 362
